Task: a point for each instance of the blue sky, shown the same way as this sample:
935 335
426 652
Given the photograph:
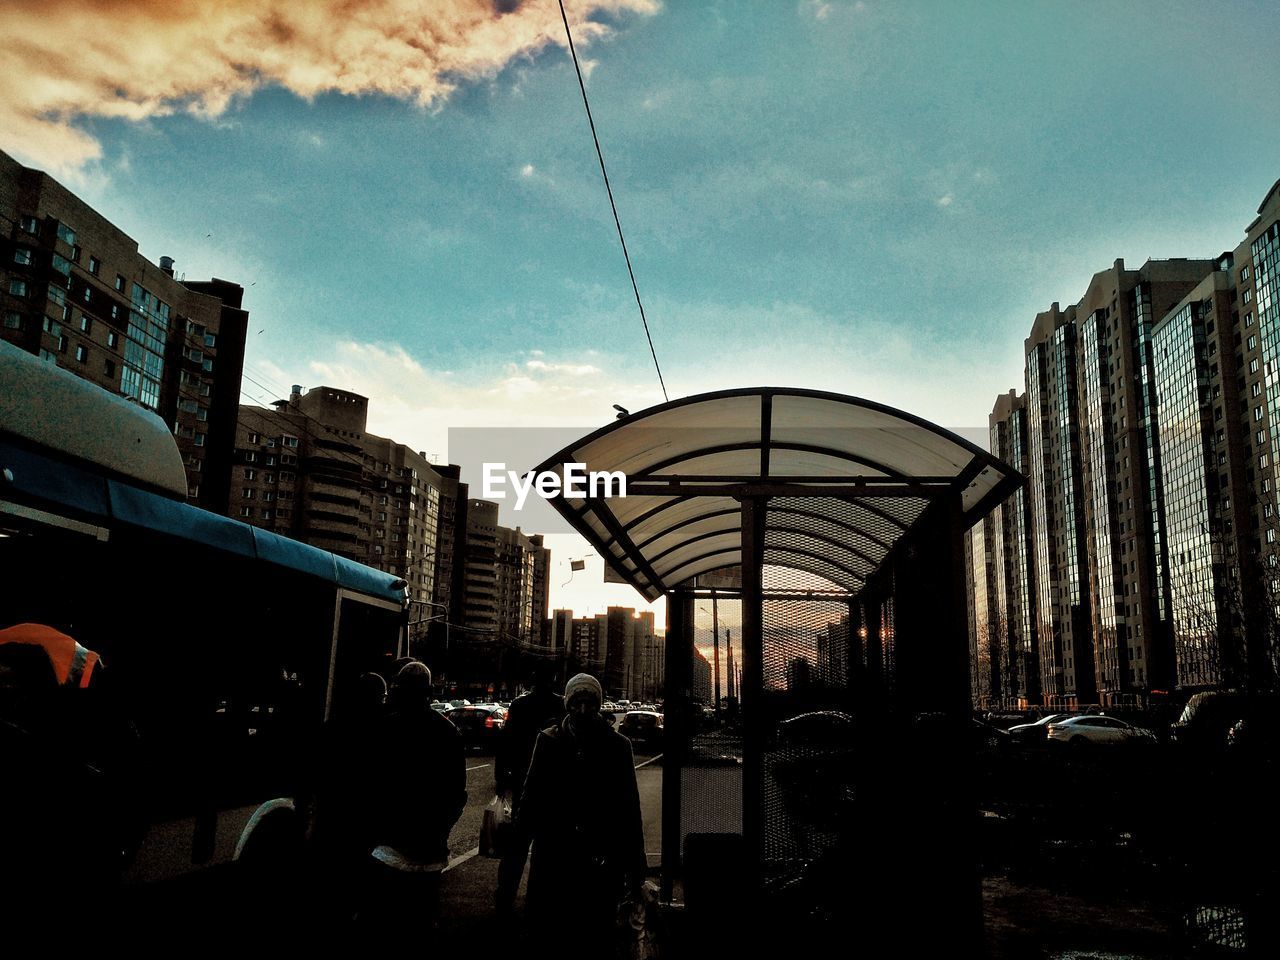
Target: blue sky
868 197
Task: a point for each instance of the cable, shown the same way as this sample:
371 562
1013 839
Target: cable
612 205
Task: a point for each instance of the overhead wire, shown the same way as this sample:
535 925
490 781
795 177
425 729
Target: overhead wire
612 205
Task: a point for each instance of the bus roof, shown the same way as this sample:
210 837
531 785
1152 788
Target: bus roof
100 459
56 410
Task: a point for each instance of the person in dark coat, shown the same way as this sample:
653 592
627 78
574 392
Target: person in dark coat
528 716
418 792
581 806
342 818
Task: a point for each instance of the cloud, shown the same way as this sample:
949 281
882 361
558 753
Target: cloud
565 369
945 201
527 170
416 404
64 61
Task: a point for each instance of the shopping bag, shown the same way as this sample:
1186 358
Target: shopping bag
639 925
495 827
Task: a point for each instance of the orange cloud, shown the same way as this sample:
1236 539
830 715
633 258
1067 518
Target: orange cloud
64 60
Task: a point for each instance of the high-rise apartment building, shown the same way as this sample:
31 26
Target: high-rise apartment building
309 469
77 293
1129 634
1142 556
1057 490
1014 652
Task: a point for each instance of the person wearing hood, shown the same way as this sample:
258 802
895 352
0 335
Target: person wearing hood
581 807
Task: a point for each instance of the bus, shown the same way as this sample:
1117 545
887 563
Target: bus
227 647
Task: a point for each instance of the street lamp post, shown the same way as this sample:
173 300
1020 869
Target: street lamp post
433 619
715 651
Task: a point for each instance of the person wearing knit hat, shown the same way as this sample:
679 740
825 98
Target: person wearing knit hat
581 807
583 683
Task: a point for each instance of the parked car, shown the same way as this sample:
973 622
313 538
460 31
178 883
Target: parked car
1035 732
479 724
642 727
1210 717
1096 729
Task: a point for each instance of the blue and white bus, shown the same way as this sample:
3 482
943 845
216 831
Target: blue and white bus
229 647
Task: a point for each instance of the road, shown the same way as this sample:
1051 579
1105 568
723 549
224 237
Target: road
465 838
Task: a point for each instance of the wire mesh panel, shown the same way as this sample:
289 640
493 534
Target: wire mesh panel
711 776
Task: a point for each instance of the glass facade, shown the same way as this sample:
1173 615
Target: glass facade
1149 413
147 335
1109 627
1022 569
1188 484
1266 284
1048 634
1066 487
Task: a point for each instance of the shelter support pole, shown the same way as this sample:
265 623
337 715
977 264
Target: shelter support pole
678 728
935 792
755 723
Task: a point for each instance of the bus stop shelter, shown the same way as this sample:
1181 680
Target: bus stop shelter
831 787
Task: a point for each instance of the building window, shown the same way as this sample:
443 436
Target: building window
109 368
246 511
289 441
1253 341
199 439
1253 365
86 324
119 282
66 235
18 288
207 365
30 225
271 460
268 496
82 353
254 438
13 321
250 457
268 478
1257 414
22 255
210 340
1256 389
250 473
1248 319
95 265
266 514
1248 296
202 414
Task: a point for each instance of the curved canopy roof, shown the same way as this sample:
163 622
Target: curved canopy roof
846 479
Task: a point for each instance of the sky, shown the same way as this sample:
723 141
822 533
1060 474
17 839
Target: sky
869 197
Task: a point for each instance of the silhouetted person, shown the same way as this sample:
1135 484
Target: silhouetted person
417 794
342 818
581 807
529 715
69 818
